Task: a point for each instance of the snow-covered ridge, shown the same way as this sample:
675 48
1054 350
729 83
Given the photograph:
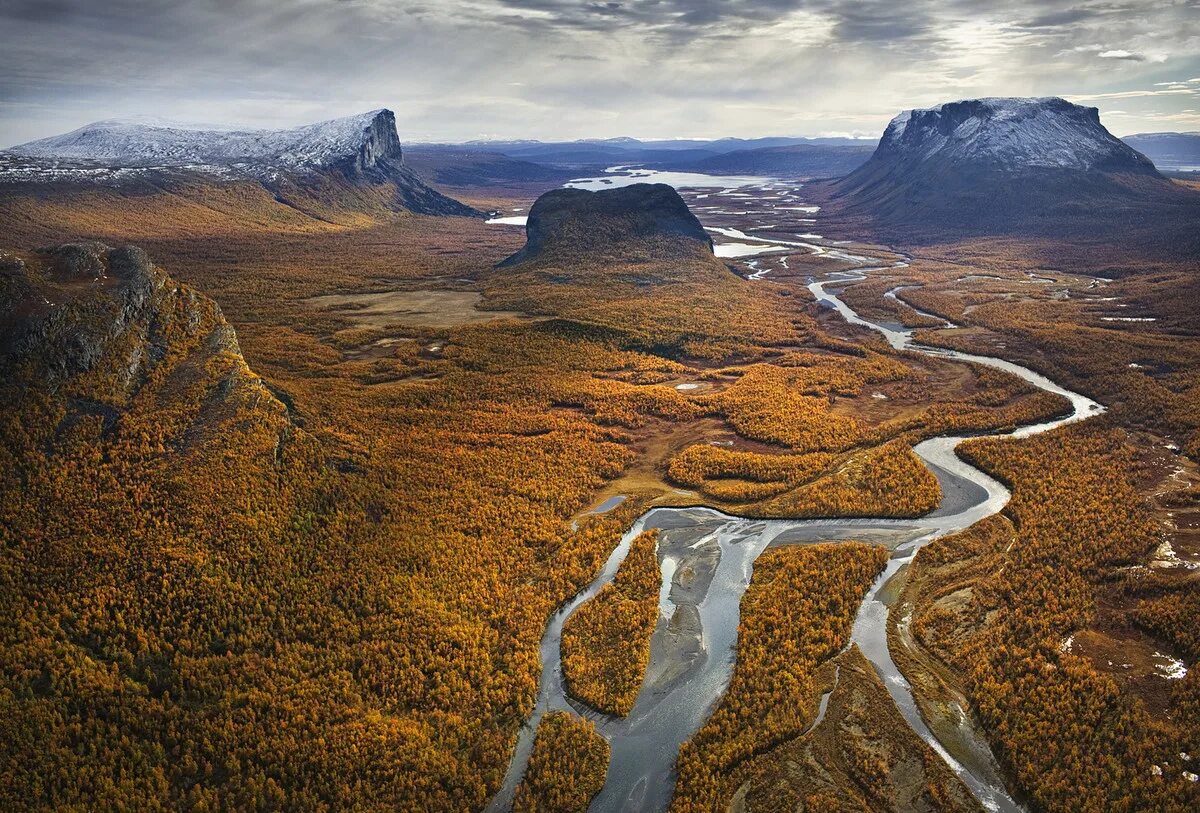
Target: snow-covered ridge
358 142
1010 133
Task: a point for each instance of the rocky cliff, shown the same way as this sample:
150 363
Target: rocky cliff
96 331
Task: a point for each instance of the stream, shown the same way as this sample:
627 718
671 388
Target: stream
707 558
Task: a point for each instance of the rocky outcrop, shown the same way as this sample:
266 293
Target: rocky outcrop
97 328
649 217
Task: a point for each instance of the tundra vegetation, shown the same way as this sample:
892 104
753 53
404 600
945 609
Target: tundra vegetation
997 605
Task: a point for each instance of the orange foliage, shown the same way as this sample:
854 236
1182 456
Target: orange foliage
606 642
566 769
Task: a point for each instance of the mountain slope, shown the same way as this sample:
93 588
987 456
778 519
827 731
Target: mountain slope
463 167
364 139
1030 166
105 331
352 164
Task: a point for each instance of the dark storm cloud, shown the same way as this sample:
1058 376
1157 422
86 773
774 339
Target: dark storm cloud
862 21
567 68
1067 16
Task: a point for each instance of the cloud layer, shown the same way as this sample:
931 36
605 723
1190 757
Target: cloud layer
462 69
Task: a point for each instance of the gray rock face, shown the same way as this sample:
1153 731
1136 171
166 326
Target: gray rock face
90 335
380 141
94 308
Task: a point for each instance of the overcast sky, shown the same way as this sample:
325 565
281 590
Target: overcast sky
551 69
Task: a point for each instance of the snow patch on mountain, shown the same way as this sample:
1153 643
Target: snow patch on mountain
1009 133
359 141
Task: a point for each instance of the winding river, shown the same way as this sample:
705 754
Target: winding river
707 558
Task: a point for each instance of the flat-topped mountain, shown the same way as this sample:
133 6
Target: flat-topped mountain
575 221
1003 165
1005 134
361 151
360 141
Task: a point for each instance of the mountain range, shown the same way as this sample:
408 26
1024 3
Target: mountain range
366 148
696 155
1170 152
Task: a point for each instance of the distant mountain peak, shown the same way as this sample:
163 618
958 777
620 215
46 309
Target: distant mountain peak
342 156
1002 165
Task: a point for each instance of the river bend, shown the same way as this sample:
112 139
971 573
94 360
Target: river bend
707 559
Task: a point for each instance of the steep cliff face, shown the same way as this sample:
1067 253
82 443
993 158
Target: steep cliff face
612 221
357 160
380 141
1041 166
362 139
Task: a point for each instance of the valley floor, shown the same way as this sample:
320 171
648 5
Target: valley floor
365 630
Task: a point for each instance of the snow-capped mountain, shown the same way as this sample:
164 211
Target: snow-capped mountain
1000 164
363 139
1011 135
346 156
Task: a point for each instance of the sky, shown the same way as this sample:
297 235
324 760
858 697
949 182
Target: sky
456 70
